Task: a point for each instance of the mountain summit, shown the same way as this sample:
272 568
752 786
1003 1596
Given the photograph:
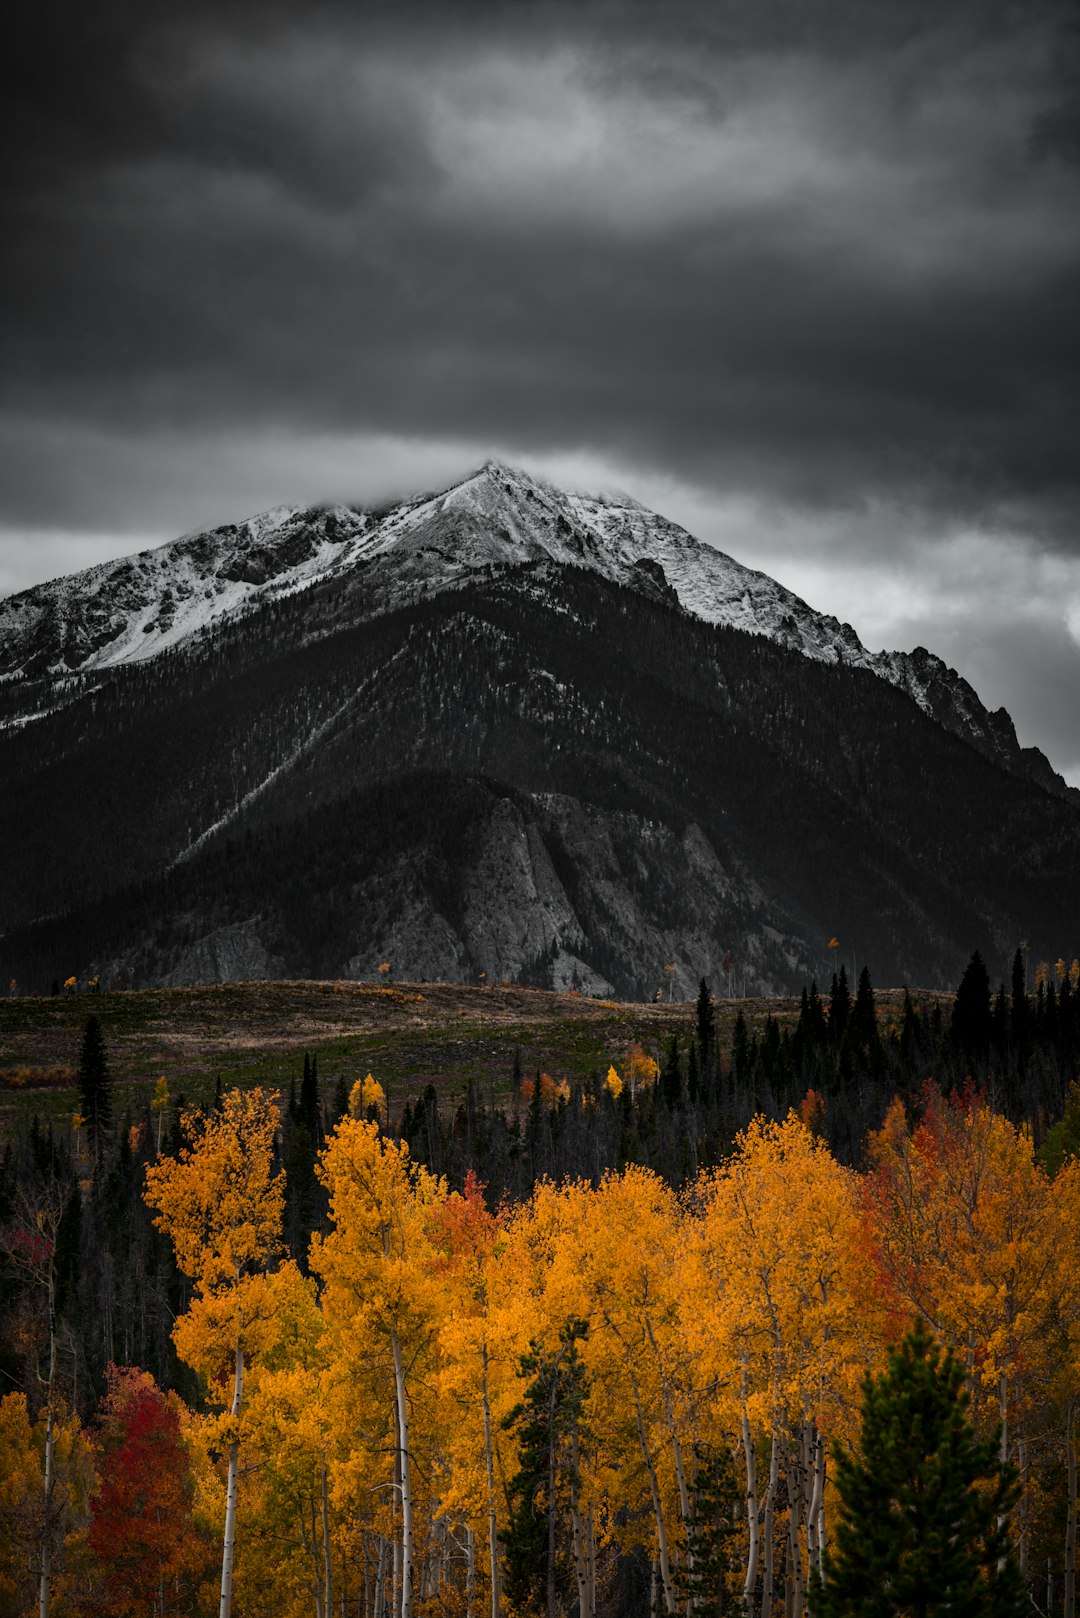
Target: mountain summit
496 518
503 728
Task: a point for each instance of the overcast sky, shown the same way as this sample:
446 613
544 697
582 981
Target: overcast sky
803 276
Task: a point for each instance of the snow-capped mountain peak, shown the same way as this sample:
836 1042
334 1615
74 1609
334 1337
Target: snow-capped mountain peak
498 517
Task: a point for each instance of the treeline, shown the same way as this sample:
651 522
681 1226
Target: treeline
610 1398
675 1110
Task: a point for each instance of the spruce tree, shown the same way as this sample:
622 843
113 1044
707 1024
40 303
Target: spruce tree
922 1529
706 1024
671 1074
971 1023
549 1428
95 1087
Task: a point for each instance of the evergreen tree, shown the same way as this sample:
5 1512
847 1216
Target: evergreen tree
922 1525
706 1029
548 1422
671 1075
839 1005
864 1012
712 1534
95 1086
971 1022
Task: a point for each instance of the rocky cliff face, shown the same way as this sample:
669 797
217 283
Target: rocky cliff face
499 518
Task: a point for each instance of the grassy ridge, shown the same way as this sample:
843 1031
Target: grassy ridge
409 1035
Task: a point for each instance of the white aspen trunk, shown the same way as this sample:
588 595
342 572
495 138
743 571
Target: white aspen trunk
592 1563
45 1581
489 1458
581 1571
470 1572
395 1565
1069 1609
754 1548
229 1543
680 1470
405 1608
768 1558
379 1605
658 1507
328 1579
794 1600
815 1516
316 1582
1021 1514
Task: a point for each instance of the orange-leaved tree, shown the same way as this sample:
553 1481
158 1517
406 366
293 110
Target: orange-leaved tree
221 1204
380 1298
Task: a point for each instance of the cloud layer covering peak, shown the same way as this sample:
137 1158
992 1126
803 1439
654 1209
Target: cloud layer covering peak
804 278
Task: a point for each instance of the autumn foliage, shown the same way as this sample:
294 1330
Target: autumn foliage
368 1426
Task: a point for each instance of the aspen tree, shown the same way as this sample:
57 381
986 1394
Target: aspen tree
221 1204
375 1266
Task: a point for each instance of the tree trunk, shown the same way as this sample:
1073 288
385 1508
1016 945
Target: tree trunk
470 1571
489 1458
767 1529
658 1507
815 1517
406 1486
754 1548
1069 1610
229 1543
794 1603
316 1580
45 1582
581 1567
328 1581
680 1470
551 1605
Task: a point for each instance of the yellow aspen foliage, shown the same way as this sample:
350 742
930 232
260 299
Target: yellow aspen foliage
220 1201
221 1204
642 1070
365 1093
380 1297
614 1083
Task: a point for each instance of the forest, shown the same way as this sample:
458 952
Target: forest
589 1352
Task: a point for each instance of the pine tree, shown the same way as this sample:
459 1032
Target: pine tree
922 1529
708 1585
549 1426
839 1005
95 1087
971 1026
671 1075
706 1030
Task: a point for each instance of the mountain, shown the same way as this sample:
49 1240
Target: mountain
505 729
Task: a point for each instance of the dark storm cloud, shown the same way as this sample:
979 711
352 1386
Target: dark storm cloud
808 272
835 263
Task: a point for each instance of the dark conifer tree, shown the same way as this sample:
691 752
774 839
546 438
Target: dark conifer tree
971 1023
550 1434
95 1087
839 1005
864 1013
922 1528
671 1075
740 1050
712 1533
706 1023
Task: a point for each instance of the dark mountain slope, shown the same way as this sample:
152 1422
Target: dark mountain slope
542 774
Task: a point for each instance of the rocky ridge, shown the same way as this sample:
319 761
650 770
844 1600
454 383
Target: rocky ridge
499 517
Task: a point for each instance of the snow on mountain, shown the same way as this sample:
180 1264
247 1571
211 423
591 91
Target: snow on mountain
499 517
